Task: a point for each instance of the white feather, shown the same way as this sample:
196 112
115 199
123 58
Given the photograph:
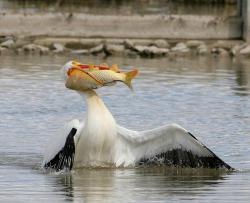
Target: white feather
101 142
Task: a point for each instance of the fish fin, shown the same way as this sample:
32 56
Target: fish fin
129 76
104 65
91 67
114 68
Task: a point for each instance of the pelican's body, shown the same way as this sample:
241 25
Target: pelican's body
99 142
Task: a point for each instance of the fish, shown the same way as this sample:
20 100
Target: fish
87 76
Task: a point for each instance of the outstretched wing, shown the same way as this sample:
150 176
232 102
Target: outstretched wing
60 150
170 145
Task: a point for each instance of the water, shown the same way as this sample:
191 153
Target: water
210 97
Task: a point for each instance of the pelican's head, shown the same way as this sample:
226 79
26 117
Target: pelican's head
76 77
68 66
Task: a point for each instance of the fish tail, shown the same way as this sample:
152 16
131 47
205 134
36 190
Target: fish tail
129 76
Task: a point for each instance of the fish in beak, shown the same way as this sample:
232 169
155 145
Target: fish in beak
83 76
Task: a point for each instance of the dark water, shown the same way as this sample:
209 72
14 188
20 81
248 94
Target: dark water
210 97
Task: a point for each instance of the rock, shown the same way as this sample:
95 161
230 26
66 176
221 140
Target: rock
90 43
220 51
181 48
129 44
80 52
29 48
130 53
226 44
112 49
20 42
43 49
57 47
32 48
194 43
96 50
236 49
160 43
143 42
151 51
5 38
8 44
245 51
202 49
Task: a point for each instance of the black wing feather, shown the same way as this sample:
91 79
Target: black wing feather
183 158
64 159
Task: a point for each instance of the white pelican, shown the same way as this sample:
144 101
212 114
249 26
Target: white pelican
100 142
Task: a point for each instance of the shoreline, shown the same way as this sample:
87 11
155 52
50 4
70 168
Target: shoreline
147 48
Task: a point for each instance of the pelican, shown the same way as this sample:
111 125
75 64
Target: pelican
98 141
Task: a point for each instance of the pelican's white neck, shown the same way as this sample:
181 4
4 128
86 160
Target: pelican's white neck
99 133
96 109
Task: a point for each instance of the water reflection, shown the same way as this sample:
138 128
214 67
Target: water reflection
96 185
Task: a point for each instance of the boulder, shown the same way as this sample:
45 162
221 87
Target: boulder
235 50
226 44
8 43
96 50
128 44
160 43
151 51
80 51
32 48
180 48
57 47
194 43
245 51
202 49
112 49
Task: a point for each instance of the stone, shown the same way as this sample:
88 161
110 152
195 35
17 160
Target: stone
112 49
35 48
202 49
194 43
220 51
245 51
30 48
80 52
235 50
43 49
226 44
181 48
96 50
151 51
8 43
4 38
90 43
129 44
22 41
130 53
57 47
160 43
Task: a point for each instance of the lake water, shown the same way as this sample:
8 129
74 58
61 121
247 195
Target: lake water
210 97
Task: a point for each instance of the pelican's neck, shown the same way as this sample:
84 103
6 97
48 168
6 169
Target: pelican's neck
97 112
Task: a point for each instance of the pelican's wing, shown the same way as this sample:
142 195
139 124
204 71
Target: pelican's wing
60 149
169 145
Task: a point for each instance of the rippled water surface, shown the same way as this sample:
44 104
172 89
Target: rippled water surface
210 97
